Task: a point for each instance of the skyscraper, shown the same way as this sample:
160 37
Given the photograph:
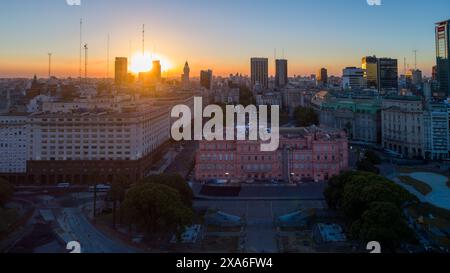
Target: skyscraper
322 77
370 67
281 73
260 72
156 70
353 78
186 71
387 74
442 57
121 70
206 79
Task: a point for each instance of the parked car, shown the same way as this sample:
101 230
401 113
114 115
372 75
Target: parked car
63 185
100 188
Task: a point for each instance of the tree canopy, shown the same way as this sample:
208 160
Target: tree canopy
174 181
156 207
382 222
306 116
360 195
6 191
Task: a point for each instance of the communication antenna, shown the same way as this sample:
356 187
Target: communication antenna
404 65
85 61
81 49
143 40
129 52
283 54
415 59
107 61
49 65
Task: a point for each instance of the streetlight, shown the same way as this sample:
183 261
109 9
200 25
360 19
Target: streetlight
227 176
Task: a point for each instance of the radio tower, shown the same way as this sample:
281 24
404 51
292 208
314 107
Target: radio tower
143 40
415 59
85 62
49 65
81 49
107 61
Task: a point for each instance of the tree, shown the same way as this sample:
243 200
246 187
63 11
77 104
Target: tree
6 191
117 194
372 205
382 222
176 182
333 192
366 165
372 157
156 207
306 116
363 189
246 96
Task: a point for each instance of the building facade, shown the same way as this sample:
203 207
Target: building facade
370 67
121 70
322 77
206 79
402 125
387 74
86 146
14 141
353 78
259 69
436 131
442 58
360 118
281 73
304 154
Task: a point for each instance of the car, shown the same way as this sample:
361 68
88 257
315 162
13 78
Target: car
100 188
63 185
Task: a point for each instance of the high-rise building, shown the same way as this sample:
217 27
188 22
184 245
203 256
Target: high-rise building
186 71
322 76
434 73
260 72
206 79
281 73
121 70
353 78
387 74
413 78
156 70
370 67
442 57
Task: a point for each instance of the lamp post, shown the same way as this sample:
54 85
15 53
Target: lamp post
292 178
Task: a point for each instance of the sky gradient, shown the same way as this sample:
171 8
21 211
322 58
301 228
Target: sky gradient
218 34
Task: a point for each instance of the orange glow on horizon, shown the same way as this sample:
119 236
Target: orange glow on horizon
144 63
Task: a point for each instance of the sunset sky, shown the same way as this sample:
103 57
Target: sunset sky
218 34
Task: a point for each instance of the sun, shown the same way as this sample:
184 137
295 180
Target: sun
143 62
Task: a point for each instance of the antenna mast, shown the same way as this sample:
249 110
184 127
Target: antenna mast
49 65
107 61
85 62
81 49
404 65
415 59
143 40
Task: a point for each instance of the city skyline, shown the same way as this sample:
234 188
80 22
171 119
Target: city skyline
202 33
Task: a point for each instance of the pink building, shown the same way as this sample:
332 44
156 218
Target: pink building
304 154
